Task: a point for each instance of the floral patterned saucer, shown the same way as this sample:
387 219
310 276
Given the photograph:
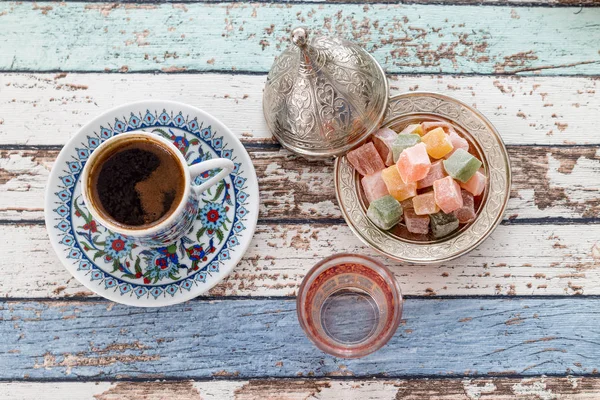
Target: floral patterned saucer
123 271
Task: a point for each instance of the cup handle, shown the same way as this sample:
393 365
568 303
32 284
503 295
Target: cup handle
224 164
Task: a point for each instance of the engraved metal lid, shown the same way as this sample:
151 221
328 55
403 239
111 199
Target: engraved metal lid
324 95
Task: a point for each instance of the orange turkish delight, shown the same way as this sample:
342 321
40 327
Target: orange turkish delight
396 186
437 142
425 204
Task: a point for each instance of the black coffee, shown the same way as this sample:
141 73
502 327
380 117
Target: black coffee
139 183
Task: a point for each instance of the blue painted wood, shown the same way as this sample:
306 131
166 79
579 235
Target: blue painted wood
246 37
257 338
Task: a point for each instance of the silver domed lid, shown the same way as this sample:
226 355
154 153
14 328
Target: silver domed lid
324 95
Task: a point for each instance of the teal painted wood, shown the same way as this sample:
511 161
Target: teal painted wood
257 338
246 37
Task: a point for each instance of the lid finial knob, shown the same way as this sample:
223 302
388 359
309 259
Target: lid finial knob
300 36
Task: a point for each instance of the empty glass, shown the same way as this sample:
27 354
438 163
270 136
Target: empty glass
349 305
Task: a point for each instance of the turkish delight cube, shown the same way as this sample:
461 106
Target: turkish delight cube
416 223
396 186
403 142
385 212
374 186
442 224
413 163
365 159
458 142
466 213
383 140
461 165
447 194
476 184
437 142
425 204
436 172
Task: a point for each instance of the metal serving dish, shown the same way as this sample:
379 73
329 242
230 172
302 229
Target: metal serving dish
397 243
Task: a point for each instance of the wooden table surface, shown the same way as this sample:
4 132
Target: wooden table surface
517 317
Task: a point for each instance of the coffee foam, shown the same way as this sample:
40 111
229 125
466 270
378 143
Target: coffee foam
157 192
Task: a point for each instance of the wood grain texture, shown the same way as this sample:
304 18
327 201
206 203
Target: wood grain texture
246 37
547 182
516 3
48 109
254 338
515 260
554 388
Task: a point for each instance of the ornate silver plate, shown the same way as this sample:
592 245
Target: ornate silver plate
408 108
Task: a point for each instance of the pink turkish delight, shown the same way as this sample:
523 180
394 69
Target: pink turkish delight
447 194
383 140
458 142
416 223
413 163
366 159
406 204
435 172
374 187
476 184
466 213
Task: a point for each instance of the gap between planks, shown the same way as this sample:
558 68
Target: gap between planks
555 388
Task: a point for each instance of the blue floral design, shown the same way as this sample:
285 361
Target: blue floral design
212 215
118 246
160 267
181 143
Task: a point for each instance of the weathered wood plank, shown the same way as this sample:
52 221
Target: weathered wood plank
553 3
516 3
547 181
570 387
246 37
515 260
257 338
47 109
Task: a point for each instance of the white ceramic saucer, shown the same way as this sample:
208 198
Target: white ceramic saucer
120 270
